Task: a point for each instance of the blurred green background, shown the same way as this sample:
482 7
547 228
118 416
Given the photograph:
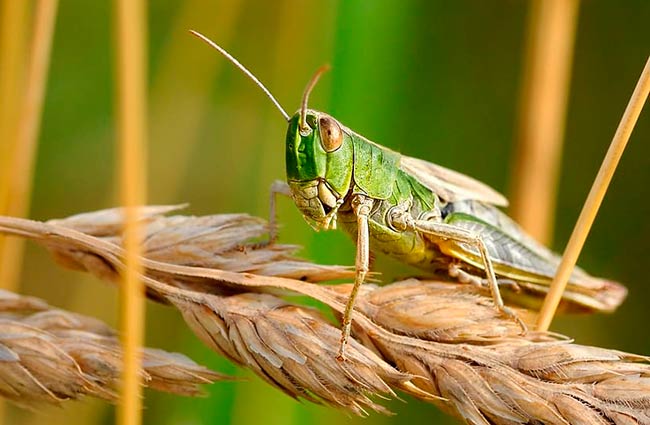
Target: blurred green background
438 80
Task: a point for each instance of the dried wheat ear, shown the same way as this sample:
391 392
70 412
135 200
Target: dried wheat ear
49 355
440 342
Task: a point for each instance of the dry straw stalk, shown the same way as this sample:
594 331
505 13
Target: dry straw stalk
595 198
440 342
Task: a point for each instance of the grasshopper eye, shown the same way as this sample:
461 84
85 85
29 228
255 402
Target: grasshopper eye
331 134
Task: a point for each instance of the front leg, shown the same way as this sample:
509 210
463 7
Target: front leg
277 188
361 205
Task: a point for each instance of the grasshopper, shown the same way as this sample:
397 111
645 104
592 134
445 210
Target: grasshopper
420 213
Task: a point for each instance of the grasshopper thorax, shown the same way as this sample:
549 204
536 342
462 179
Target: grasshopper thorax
319 161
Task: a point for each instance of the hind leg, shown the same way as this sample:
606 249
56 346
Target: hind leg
444 231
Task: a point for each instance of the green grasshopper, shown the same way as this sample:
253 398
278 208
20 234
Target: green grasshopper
420 213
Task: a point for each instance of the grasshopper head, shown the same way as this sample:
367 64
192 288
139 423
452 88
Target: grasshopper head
319 152
319 160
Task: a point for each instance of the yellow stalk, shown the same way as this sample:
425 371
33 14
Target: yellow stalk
551 34
131 106
21 158
13 19
12 54
19 142
594 199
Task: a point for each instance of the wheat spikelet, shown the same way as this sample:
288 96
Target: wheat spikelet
441 342
233 242
49 355
290 347
503 377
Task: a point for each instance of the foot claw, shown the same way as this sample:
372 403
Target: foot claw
340 356
511 314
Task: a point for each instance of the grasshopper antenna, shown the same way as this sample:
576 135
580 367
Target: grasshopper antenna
243 69
305 97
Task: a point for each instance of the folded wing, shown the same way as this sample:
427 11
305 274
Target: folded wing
450 185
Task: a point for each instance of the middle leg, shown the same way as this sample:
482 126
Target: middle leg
361 205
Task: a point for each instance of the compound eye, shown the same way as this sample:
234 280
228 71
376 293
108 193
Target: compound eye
331 134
